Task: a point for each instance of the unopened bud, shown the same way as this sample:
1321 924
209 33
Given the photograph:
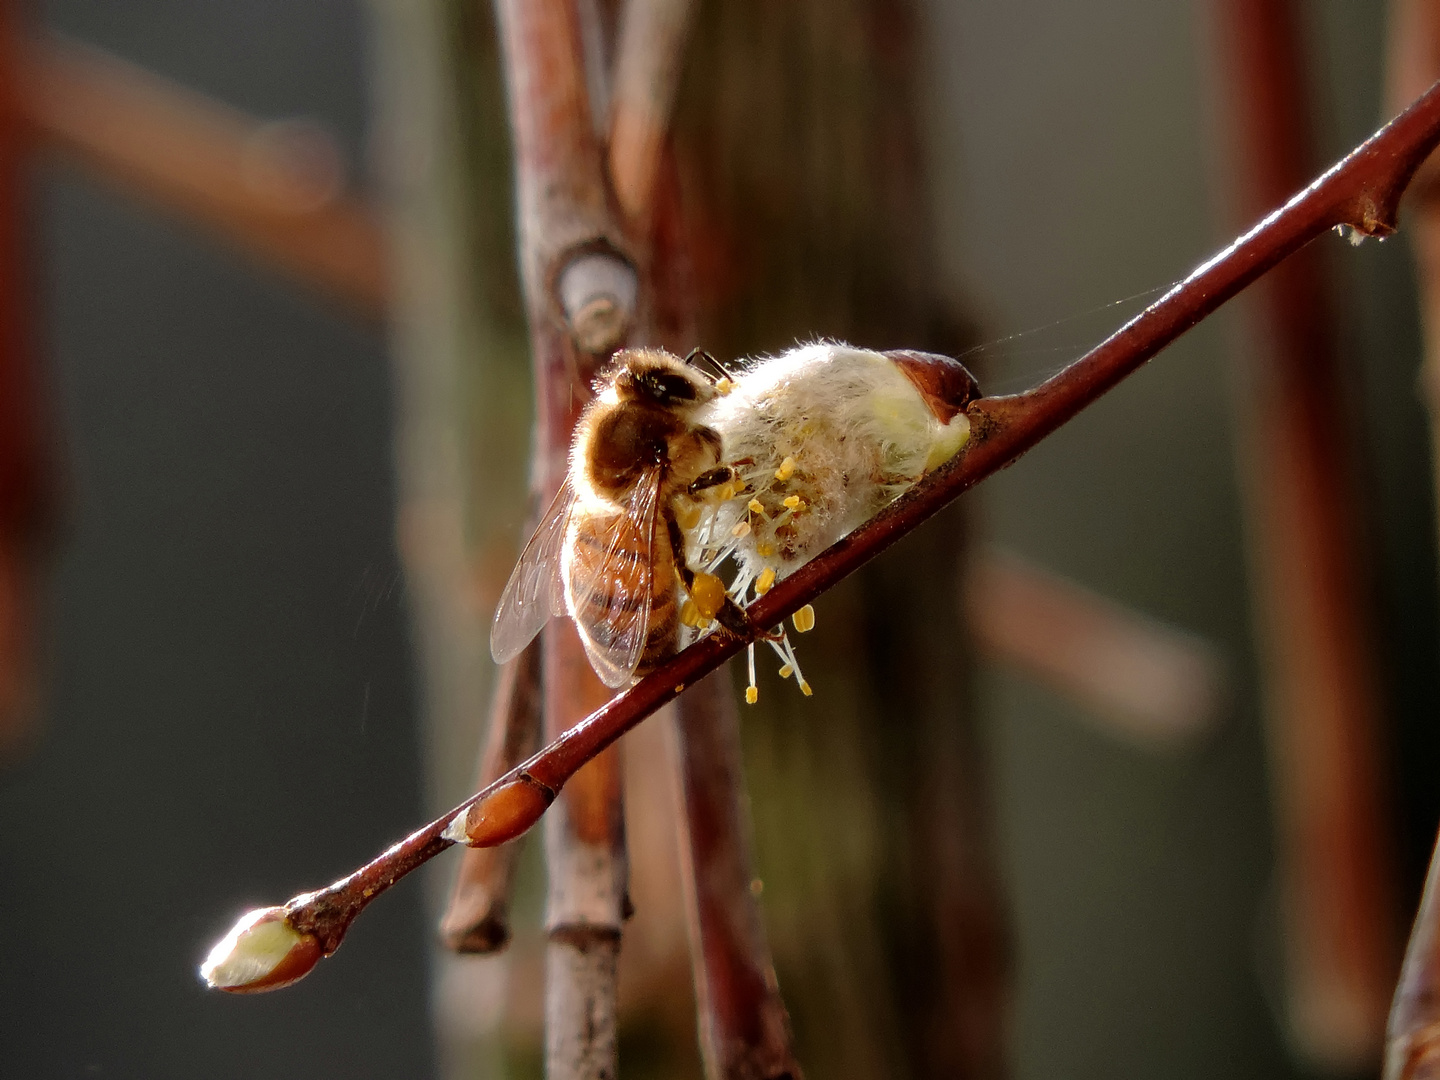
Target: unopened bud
261 952
944 383
502 815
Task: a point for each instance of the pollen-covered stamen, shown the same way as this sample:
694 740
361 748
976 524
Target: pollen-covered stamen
786 469
752 692
789 664
765 581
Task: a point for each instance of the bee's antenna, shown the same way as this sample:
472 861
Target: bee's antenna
699 353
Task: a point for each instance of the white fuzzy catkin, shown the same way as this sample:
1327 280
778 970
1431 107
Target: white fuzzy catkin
840 429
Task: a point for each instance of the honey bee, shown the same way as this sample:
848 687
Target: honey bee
610 551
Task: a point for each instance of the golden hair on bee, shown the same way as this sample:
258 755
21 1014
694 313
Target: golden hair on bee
610 551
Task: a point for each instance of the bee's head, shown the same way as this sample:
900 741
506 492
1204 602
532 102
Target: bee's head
656 376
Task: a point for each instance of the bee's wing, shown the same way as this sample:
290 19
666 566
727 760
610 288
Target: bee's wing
533 592
615 629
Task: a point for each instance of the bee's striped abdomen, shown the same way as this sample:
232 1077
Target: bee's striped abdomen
611 568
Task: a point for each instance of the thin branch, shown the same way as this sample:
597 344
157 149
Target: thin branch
1146 681
477 917
581 294
1413 1033
1314 616
648 59
275 190
1412 1050
744 1027
1361 192
26 499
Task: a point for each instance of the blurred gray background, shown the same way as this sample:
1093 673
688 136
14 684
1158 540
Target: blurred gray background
232 708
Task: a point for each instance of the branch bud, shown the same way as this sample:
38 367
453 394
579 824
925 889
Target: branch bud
597 292
944 383
502 815
261 952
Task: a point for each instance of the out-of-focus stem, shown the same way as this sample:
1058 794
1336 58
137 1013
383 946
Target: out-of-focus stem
1413 1033
1321 686
648 60
1146 681
477 918
585 857
1362 191
1414 63
575 280
744 1027
24 481
1412 1049
275 190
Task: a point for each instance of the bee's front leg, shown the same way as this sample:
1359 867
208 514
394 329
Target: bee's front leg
721 474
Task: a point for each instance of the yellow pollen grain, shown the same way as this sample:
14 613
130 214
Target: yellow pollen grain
752 695
786 469
724 386
792 502
804 619
765 550
805 689
708 594
741 530
765 580
787 671
689 614
754 507
689 517
727 492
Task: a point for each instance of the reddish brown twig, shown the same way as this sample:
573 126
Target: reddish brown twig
1413 1033
23 481
1412 1049
744 1028
477 917
647 71
581 296
1144 680
1321 686
274 190
1362 192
